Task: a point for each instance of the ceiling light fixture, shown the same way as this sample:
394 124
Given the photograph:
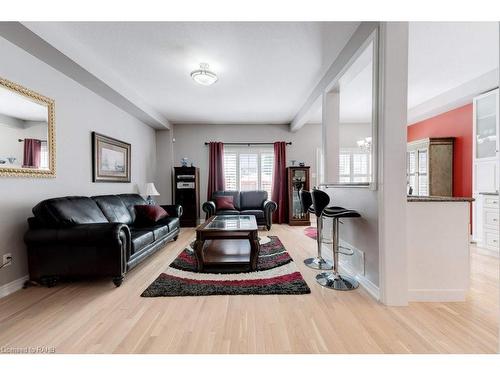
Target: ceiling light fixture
203 76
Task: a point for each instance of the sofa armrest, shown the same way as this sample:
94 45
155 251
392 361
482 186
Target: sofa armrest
269 206
173 210
84 234
209 208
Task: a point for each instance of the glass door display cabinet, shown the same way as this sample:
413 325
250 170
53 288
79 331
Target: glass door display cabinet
298 179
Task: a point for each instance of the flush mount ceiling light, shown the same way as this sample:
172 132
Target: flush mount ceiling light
203 76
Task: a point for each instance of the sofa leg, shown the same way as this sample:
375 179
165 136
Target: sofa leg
176 237
49 281
118 280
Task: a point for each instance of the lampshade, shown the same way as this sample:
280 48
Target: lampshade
151 189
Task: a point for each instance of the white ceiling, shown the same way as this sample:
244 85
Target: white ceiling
266 70
445 55
17 106
442 58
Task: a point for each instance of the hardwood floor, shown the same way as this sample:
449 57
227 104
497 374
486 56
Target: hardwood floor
95 317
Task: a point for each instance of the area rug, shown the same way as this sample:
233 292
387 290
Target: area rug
276 274
311 232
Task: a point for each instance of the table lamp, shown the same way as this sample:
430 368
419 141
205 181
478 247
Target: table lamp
151 191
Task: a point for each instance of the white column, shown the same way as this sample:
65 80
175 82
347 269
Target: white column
330 139
392 132
164 164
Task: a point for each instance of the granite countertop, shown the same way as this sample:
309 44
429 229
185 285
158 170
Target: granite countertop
415 198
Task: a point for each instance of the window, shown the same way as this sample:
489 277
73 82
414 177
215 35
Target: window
44 155
354 166
416 170
230 171
248 168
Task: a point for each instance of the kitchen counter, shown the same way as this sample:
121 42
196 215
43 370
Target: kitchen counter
415 198
438 248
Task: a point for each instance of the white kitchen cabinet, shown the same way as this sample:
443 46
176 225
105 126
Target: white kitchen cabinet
486 171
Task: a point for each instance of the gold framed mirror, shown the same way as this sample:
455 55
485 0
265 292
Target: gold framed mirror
27 132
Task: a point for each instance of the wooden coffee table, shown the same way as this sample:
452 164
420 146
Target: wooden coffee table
227 242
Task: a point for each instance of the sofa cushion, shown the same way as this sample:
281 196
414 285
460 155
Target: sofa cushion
68 211
259 214
224 203
113 208
140 239
234 194
164 227
173 223
149 214
160 231
252 199
131 200
227 212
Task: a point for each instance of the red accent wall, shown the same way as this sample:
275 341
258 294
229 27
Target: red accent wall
455 123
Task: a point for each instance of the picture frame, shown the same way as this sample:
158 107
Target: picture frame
111 159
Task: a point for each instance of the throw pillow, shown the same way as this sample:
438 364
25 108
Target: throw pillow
224 203
149 214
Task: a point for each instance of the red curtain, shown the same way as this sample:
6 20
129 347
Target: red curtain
32 152
279 192
215 168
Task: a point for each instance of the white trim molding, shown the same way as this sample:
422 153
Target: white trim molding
370 287
13 286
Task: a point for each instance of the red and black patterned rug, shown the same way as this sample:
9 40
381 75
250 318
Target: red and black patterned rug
311 232
276 274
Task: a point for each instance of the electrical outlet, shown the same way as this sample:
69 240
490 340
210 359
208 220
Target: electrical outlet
7 259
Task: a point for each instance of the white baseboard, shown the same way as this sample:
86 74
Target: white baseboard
348 269
13 286
436 295
370 287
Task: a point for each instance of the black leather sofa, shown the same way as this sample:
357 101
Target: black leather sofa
78 237
253 202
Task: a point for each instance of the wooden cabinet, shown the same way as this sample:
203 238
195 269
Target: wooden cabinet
187 194
485 174
429 166
298 179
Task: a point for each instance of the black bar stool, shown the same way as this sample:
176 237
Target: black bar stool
315 203
334 280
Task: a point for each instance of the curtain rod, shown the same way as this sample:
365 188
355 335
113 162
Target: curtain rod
22 140
248 143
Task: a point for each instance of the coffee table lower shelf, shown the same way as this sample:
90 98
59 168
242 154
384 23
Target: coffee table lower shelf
226 254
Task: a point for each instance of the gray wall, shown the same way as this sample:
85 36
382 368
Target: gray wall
190 139
78 112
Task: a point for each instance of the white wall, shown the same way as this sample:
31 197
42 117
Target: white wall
190 142
78 112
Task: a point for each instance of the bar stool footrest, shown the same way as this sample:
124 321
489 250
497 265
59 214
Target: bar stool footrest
318 264
336 281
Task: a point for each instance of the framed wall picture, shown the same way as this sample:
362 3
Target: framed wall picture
110 159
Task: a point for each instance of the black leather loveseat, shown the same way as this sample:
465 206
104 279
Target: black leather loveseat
76 237
253 202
